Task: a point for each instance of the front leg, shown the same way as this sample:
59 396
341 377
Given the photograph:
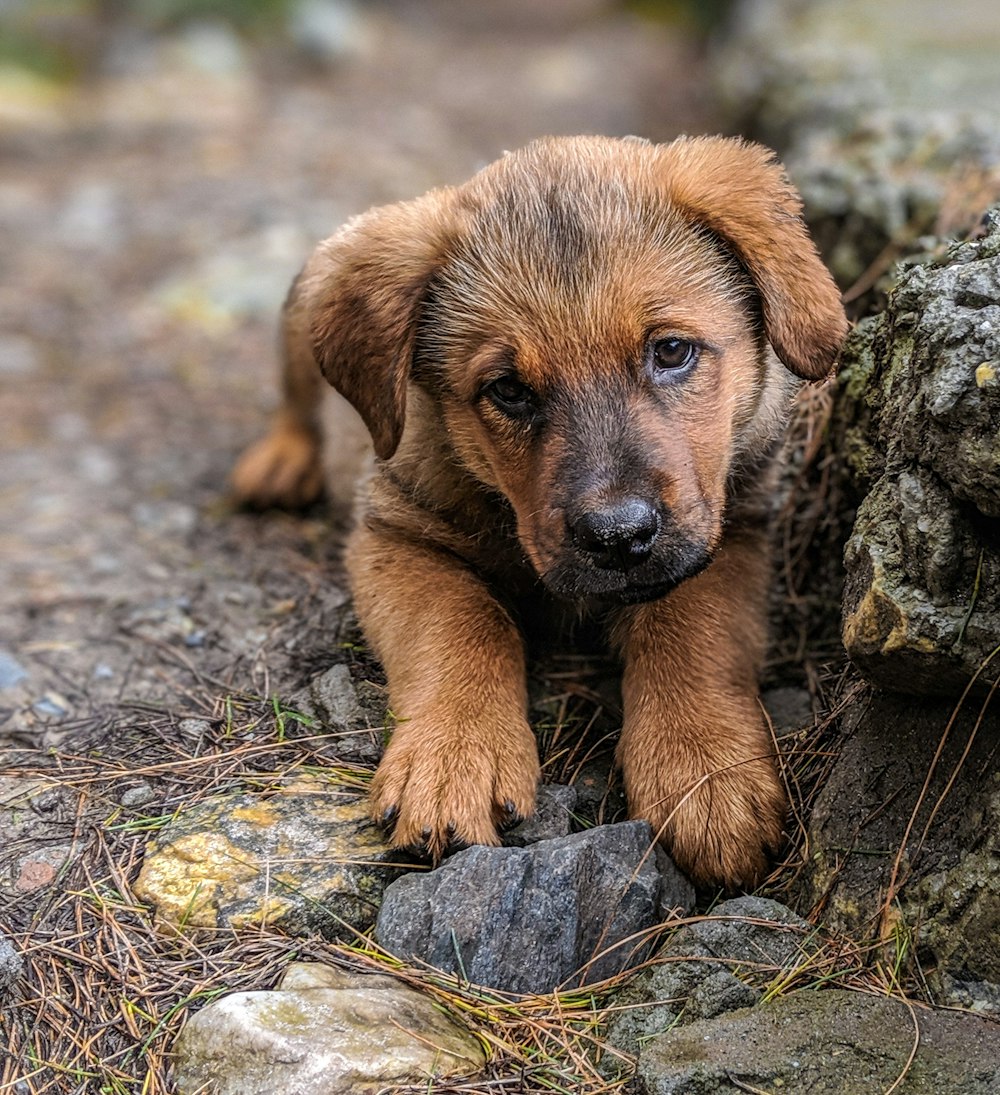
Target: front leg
696 754
462 759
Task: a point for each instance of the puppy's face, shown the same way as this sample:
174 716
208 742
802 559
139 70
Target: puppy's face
592 318
596 359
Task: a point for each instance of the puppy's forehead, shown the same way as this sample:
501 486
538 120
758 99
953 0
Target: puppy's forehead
564 246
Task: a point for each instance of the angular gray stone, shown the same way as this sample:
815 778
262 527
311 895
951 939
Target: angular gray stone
552 817
828 1042
11 965
706 968
562 912
351 712
321 1032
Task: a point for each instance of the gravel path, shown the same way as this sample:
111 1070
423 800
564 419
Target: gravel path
150 220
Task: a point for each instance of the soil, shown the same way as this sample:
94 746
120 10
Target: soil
151 219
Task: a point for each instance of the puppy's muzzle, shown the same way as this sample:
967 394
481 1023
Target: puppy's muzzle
624 550
619 537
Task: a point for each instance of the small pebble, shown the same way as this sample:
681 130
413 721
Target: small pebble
139 795
11 670
52 706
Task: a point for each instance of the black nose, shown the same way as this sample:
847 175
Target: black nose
619 536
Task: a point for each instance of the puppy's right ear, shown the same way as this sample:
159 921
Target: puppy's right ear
362 290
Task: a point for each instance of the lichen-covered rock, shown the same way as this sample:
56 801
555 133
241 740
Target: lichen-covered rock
560 912
304 859
321 1032
711 966
888 139
922 596
955 911
825 1043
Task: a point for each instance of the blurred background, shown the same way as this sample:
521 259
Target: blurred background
165 168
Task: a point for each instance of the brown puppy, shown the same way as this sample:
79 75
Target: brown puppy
566 369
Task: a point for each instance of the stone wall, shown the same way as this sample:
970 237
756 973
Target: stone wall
885 116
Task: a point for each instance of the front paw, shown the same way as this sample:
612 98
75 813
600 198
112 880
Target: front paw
437 789
720 822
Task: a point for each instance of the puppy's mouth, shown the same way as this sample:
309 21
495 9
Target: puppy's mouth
575 579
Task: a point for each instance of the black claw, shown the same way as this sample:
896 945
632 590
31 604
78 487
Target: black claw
389 816
513 817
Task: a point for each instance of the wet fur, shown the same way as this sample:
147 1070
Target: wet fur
563 263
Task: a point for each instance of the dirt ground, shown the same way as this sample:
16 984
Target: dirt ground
151 217
150 221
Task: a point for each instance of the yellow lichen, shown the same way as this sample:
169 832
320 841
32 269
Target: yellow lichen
182 879
260 813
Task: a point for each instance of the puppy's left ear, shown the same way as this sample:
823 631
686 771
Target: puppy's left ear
361 292
739 192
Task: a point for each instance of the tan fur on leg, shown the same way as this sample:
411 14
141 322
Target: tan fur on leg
285 467
695 752
462 759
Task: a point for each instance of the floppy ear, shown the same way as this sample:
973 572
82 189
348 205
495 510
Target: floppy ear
739 192
361 290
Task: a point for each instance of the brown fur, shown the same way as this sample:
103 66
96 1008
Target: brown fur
562 268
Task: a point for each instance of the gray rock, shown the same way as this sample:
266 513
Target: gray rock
947 890
321 1032
330 30
142 794
750 932
304 859
706 968
552 817
563 912
351 713
922 387
825 1043
194 727
11 671
11 965
883 123
718 993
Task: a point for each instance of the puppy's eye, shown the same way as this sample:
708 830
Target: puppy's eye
671 358
509 395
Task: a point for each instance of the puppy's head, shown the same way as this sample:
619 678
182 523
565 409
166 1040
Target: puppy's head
590 317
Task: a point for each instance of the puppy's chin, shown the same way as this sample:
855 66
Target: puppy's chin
577 579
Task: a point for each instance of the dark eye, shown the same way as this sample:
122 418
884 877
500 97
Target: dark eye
672 357
509 395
